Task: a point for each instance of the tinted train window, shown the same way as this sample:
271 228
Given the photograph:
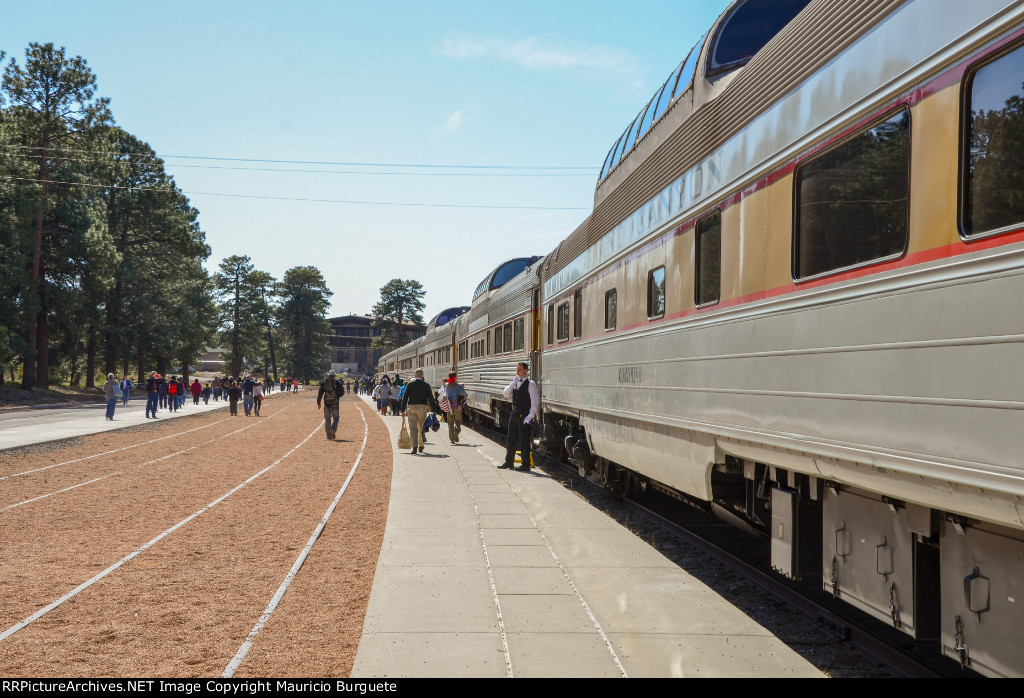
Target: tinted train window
508 272
709 260
748 28
994 176
497 340
853 200
610 301
656 293
508 337
551 324
519 335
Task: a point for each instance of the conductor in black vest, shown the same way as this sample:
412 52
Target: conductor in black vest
525 403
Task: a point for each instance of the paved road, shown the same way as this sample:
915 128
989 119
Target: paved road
24 427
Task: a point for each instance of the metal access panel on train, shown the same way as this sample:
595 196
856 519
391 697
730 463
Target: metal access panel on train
983 599
868 557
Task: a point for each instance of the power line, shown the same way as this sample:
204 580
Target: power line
308 200
323 162
343 172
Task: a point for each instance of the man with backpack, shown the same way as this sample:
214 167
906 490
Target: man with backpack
330 394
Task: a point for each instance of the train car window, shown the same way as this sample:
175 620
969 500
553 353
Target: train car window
649 114
622 147
509 271
609 161
577 314
709 260
631 135
487 338
610 302
993 181
688 69
497 340
551 324
508 337
656 293
665 96
563 322
519 334
852 201
748 27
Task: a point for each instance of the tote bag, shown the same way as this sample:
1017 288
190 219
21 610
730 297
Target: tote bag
404 440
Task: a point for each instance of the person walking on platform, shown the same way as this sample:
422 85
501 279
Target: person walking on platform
525 403
197 390
164 387
383 397
111 390
126 386
456 399
216 388
152 394
416 400
330 394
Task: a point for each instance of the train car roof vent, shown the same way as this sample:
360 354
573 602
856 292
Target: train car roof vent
748 25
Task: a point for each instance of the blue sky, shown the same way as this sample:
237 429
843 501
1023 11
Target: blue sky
529 84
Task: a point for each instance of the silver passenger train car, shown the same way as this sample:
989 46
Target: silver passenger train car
797 303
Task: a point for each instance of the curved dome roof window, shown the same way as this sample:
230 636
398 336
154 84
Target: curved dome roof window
747 27
510 270
504 273
447 315
679 80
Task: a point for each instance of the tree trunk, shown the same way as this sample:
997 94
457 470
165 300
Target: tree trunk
90 360
142 363
43 350
184 369
236 362
113 329
273 358
30 371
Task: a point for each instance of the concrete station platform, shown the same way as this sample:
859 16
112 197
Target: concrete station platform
497 573
23 427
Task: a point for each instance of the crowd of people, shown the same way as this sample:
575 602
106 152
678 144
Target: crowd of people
171 392
417 401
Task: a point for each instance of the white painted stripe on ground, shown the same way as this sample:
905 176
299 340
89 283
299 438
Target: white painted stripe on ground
233 665
66 489
142 465
490 577
85 585
579 596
